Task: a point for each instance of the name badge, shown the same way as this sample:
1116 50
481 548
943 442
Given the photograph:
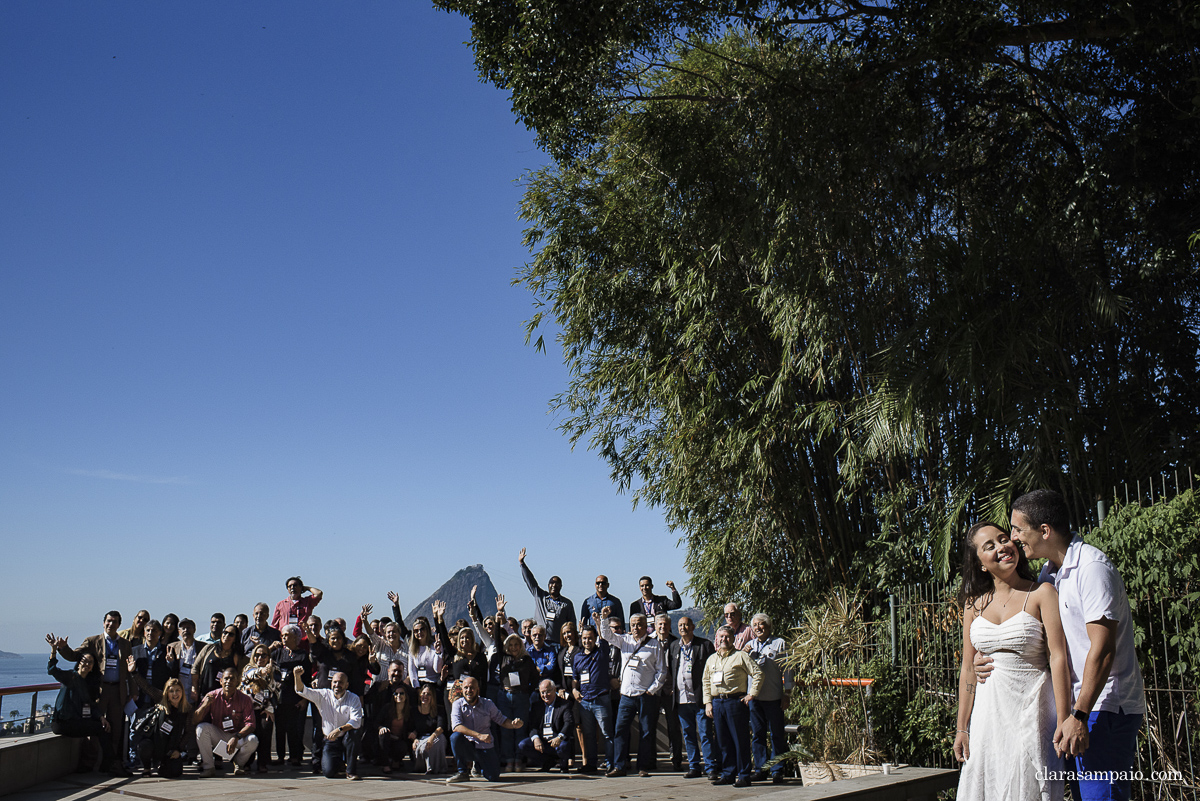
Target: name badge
422 673
227 724
110 663
634 661
687 664
166 727
186 668
568 670
514 679
585 678
547 731
87 710
718 677
551 614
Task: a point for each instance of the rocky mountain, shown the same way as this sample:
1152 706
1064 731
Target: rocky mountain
456 593
7 655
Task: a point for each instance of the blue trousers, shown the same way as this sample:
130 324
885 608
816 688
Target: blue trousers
1112 746
646 709
595 715
512 705
466 752
766 718
342 752
731 719
697 737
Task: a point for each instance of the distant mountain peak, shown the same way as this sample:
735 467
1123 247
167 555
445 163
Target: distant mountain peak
456 592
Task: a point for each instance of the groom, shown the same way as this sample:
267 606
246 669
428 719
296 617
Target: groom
1100 736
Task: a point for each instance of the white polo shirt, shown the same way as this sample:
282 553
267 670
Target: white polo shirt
1090 590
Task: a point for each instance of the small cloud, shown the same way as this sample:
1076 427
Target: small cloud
113 476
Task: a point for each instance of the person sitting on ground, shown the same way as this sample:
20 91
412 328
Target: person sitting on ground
225 726
341 723
471 733
551 732
392 725
159 732
429 734
77 708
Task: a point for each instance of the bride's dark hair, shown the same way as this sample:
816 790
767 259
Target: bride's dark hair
976 582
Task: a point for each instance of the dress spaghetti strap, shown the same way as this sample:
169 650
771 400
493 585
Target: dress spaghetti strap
1028 592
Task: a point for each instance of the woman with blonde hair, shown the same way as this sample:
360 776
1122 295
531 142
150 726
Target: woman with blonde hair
158 733
260 681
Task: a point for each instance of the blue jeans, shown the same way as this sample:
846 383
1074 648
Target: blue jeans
731 719
466 752
1112 746
766 717
592 715
341 752
511 705
646 709
697 736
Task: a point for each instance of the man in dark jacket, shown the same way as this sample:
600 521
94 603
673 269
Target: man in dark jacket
551 730
650 604
685 665
109 653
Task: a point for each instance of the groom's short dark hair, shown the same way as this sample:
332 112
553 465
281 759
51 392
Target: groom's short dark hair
1045 507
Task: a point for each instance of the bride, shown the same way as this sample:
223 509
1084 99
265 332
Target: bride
1006 726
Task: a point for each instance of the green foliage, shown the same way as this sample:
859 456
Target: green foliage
1156 549
830 285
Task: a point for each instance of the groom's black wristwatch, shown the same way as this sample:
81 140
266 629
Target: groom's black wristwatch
1080 715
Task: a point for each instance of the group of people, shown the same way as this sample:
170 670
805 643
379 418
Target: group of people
1050 691
475 696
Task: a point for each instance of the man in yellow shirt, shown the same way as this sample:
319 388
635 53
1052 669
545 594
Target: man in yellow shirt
731 681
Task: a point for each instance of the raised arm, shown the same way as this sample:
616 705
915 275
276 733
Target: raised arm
399 618
530 581
674 602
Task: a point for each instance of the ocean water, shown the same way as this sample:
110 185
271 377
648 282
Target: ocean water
29 669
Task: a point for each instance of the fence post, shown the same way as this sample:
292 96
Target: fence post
892 626
1101 510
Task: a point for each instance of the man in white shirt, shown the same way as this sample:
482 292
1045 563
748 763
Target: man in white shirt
766 710
1099 737
341 723
642 673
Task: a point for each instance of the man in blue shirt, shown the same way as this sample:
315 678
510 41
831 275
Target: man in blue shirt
591 669
602 603
471 739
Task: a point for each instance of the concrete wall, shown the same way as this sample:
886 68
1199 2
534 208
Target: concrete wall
26 761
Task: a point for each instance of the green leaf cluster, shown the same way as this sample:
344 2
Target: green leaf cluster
832 280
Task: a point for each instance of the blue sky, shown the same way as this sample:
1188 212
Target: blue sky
257 319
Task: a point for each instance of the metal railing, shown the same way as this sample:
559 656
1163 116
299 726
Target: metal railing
32 722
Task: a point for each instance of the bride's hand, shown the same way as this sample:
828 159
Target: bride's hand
962 746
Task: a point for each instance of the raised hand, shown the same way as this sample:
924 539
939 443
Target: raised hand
500 602
439 609
671 584
474 587
366 611
52 641
393 597
521 557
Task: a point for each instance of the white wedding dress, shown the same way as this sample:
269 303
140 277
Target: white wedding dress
1013 720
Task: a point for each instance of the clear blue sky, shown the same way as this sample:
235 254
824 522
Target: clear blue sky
257 319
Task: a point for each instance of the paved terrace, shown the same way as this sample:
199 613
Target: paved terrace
903 784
